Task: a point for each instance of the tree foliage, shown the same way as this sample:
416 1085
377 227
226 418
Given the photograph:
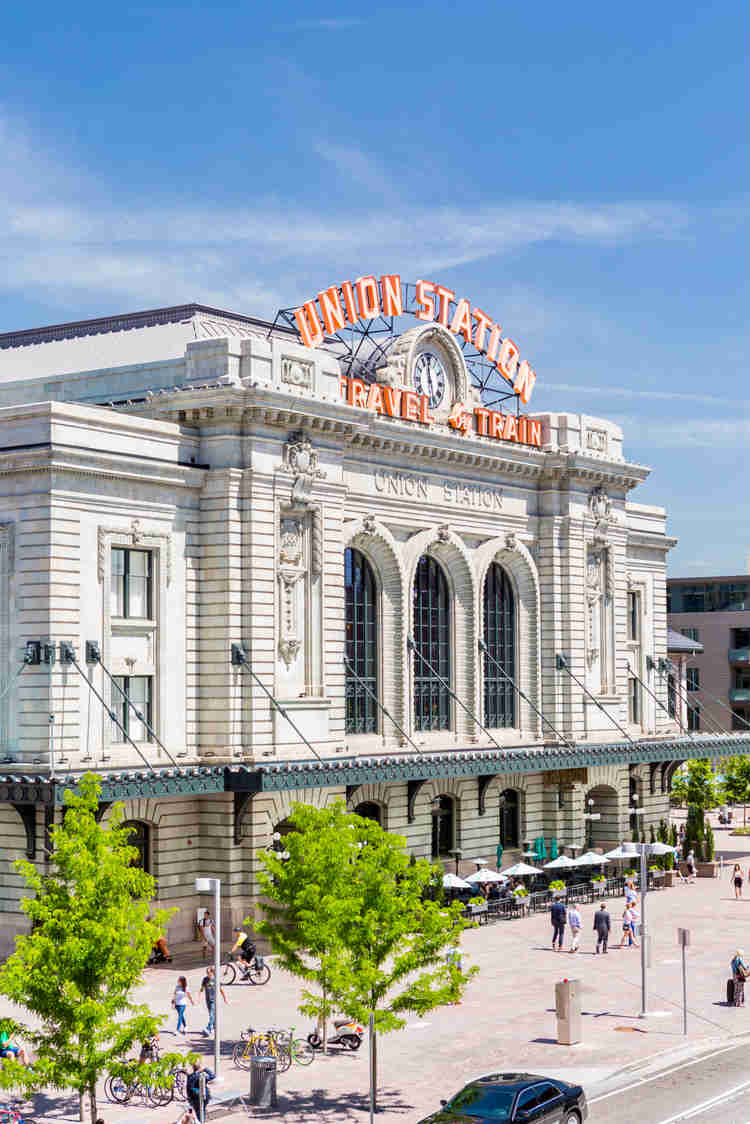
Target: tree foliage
352 913
93 929
702 789
736 785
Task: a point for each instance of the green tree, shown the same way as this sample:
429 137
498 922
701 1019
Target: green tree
679 792
701 784
709 848
93 929
736 784
352 913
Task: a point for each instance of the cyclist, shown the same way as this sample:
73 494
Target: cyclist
8 1049
244 947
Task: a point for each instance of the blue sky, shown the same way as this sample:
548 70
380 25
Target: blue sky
578 171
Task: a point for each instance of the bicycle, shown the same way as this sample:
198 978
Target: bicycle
255 972
11 1115
125 1087
257 1044
298 1049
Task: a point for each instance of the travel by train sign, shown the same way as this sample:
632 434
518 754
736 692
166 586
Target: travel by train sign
368 299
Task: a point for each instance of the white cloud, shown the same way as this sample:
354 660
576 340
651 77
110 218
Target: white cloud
697 433
626 392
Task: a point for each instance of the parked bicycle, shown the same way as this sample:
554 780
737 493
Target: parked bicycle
255 971
125 1087
9 1114
274 1043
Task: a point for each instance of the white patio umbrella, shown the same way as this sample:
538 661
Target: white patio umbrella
486 875
520 870
563 862
591 858
478 862
453 882
660 848
624 851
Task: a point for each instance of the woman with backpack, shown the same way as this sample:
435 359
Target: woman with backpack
740 972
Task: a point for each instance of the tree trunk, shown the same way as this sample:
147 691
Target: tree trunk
81 1106
325 1023
374 1070
92 1101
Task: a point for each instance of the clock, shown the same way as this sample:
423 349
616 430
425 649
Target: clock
430 378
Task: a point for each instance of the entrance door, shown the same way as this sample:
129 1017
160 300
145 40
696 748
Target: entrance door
510 827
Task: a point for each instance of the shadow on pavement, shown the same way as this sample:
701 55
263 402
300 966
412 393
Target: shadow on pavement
319 1104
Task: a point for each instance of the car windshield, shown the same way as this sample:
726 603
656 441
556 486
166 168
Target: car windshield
490 1101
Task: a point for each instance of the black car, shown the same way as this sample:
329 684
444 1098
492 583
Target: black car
514 1097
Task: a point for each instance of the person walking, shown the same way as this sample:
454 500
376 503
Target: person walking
737 879
690 863
208 991
634 922
740 972
575 921
193 1088
208 933
179 1002
627 932
557 917
602 926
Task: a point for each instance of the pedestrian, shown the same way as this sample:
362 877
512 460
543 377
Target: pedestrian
634 921
557 917
630 895
181 995
602 925
187 1116
208 933
9 1049
690 863
208 991
575 922
737 877
193 1087
740 972
627 934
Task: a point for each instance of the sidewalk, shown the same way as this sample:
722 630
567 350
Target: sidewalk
506 1021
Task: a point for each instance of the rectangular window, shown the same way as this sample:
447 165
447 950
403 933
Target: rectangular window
693 676
672 696
634 701
132 580
742 680
740 638
694 717
139 689
740 718
634 623
692 634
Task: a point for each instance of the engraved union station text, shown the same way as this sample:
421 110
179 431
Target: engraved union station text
408 485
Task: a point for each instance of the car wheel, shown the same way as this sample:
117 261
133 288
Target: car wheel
572 1118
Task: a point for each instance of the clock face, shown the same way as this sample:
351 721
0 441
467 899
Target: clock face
429 378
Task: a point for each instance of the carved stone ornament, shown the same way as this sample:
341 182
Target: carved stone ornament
289 640
296 372
444 533
290 543
301 461
368 525
600 506
596 440
137 534
511 541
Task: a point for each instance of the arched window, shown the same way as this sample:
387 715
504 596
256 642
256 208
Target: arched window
443 826
140 838
500 638
432 639
361 644
370 811
510 827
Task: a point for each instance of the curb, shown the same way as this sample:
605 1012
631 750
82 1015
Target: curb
657 1063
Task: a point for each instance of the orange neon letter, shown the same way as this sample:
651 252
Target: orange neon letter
426 302
510 430
535 433
494 341
425 416
461 322
357 393
392 399
507 360
483 323
351 308
309 325
481 415
330 306
368 297
344 386
525 380
375 399
446 296
496 424
390 288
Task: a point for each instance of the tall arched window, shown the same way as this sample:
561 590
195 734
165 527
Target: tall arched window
361 644
139 838
443 826
370 811
432 639
500 638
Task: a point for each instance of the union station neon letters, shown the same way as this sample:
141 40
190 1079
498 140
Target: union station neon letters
366 298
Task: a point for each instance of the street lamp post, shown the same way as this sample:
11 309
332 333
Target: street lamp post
589 818
205 886
457 854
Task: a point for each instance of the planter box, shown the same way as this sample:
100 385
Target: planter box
669 877
707 870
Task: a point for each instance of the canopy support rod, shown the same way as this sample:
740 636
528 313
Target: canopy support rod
141 717
562 665
239 659
659 702
483 648
378 703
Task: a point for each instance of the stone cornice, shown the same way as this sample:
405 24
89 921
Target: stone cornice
106 465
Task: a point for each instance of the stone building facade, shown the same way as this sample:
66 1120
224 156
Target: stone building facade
179 482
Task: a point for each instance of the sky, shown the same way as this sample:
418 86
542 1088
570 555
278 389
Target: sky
579 171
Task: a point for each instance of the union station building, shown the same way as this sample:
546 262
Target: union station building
233 577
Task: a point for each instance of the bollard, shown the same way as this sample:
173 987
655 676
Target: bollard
263 1082
568 1010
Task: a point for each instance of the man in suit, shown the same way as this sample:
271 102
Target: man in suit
602 925
557 916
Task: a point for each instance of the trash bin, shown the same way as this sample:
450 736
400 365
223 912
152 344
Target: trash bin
263 1082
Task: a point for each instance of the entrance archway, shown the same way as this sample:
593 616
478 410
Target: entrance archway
604 832
443 826
140 839
510 819
370 811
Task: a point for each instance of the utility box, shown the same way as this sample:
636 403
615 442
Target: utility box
568 1011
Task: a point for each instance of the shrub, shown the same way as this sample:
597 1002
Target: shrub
557 884
521 892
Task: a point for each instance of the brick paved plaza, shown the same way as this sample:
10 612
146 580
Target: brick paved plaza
505 1021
